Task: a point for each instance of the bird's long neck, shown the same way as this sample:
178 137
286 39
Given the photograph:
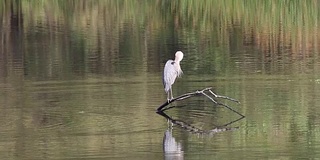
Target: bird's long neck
177 60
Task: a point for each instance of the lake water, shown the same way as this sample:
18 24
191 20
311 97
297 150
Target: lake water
82 79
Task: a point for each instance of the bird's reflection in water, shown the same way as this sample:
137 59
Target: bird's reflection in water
171 148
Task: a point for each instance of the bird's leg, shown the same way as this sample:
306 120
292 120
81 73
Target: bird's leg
171 93
168 99
170 124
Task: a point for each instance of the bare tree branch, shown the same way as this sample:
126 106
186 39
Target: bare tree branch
199 93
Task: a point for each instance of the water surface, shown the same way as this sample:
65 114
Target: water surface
83 79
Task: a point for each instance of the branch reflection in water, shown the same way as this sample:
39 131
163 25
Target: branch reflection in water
173 149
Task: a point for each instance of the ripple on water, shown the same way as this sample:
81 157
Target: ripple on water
87 115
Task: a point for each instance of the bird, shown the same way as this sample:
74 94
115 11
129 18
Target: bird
171 71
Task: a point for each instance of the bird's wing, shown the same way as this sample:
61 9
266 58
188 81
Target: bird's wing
170 73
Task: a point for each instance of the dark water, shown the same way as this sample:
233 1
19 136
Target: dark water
82 79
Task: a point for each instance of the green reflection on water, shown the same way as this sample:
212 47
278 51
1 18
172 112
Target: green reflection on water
99 64
98 36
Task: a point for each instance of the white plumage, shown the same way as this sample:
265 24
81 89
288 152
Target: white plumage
171 71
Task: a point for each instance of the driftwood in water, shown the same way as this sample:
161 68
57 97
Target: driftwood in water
205 92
